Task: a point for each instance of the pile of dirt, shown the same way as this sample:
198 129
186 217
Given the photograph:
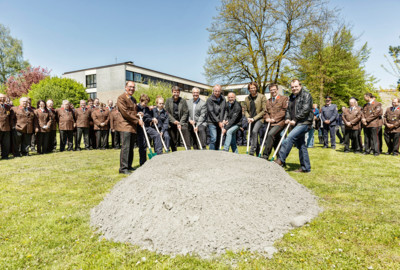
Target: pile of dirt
204 203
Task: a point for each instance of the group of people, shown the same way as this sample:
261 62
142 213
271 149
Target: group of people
24 127
218 122
175 119
371 118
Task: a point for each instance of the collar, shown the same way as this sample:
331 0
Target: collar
197 101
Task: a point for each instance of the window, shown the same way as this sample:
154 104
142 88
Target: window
137 77
129 75
93 95
91 81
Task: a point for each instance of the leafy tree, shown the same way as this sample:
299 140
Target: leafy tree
11 59
58 89
253 39
21 83
153 90
394 63
328 64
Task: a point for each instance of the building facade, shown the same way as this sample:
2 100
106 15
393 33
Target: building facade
108 82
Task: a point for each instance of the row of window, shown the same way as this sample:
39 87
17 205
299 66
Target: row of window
146 79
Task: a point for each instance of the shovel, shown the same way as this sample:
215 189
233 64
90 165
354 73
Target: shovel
151 154
197 136
265 136
280 142
183 139
248 138
162 140
222 136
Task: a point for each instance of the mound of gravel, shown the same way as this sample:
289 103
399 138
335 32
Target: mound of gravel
204 203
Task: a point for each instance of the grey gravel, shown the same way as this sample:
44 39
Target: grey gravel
204 203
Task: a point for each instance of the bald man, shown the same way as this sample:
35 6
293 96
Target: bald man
232 122
392 128
215 115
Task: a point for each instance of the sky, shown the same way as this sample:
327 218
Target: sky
167 36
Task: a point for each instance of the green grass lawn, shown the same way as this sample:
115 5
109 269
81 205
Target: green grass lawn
45 204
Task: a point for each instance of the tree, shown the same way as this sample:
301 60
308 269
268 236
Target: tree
328 64
11 59
394 63
253 39
58 89
153 90
20 84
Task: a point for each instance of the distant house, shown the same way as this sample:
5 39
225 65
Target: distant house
108 82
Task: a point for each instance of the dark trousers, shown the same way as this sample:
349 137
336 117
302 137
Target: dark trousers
371 140
66 136
116 139
272 140
380 135
92 138
101 139
33 141
351 135
126 157
155 137
52 143
201 131
241 137
392 141
79 132
42 142
175 136
332 130
22 142
5 143
141 144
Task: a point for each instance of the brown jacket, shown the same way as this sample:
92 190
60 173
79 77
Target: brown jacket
66 119
83 118
128 110
260 103
5 117
392 117
276 110
353 116
54 120
24 120
372 113
43 119
101 116
115 120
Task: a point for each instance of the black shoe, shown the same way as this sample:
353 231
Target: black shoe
376 154
387 153
125 172
365 153
357 152
347 151
395 154
131 169
333 147
78 149
325 146
264 157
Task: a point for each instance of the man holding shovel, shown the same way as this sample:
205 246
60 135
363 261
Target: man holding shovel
128 126
275 112
197 119
178 114
299 116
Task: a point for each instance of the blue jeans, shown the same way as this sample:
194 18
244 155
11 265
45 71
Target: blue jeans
310 138
230 139
296 137
215 134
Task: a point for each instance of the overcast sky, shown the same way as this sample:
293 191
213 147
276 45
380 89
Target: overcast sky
168 36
